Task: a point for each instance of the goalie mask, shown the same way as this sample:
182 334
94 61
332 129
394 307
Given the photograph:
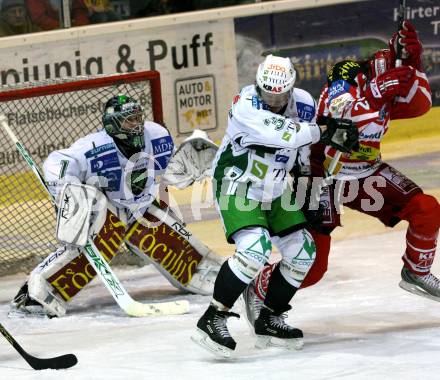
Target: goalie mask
275 80
124 119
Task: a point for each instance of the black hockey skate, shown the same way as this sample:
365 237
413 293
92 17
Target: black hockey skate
427 286
23 305
213 334
272 330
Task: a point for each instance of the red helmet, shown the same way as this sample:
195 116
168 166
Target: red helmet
381 61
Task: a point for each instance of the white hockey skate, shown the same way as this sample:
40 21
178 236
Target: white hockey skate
427 286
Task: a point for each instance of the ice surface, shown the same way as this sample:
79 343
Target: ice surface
358 324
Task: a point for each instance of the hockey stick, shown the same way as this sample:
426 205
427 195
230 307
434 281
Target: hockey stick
400 20
101 267
332 165
57 362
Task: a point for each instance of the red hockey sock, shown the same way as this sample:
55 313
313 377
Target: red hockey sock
420 251
422 212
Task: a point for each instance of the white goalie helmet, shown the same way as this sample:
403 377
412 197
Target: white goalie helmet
275 80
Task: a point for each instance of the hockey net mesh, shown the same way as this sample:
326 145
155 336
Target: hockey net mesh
46 116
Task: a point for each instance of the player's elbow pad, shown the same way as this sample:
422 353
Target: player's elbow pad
306 134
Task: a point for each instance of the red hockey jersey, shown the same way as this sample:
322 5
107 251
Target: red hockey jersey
344 100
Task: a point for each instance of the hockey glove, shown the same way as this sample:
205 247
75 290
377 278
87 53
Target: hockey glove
315 217
392 83
341 134
412 47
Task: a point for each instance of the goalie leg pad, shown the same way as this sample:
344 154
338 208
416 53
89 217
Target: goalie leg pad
206 273
38 287
183 260
78 272
65 272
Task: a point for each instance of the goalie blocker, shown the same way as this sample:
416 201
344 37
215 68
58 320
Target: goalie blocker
184 261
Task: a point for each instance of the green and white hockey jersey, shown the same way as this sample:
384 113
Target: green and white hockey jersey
261 147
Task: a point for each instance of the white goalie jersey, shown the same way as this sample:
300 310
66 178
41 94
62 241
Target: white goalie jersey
261 147
96 160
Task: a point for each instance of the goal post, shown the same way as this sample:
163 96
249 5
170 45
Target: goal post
45 116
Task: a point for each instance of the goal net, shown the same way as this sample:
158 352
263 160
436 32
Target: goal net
46 116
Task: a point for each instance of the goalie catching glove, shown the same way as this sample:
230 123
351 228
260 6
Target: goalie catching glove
192 161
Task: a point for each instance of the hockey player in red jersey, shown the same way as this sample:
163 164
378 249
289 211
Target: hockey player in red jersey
372 93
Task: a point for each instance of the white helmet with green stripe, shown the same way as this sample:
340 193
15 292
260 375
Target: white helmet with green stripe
275 80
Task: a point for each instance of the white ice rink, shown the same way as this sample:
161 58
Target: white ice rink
358 324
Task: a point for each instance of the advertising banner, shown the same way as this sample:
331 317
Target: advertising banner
191 58
317 38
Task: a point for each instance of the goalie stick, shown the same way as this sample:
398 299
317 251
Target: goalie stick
57 362
101 267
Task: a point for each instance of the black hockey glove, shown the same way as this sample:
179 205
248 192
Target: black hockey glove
314 217
341 134
312 209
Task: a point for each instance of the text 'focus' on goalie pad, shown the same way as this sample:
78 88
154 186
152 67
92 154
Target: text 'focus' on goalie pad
69 274
61 275
185 262
79 206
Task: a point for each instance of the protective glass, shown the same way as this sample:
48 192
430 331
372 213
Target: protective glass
275 100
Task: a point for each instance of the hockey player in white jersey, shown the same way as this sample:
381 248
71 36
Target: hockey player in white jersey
270 128
125 162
